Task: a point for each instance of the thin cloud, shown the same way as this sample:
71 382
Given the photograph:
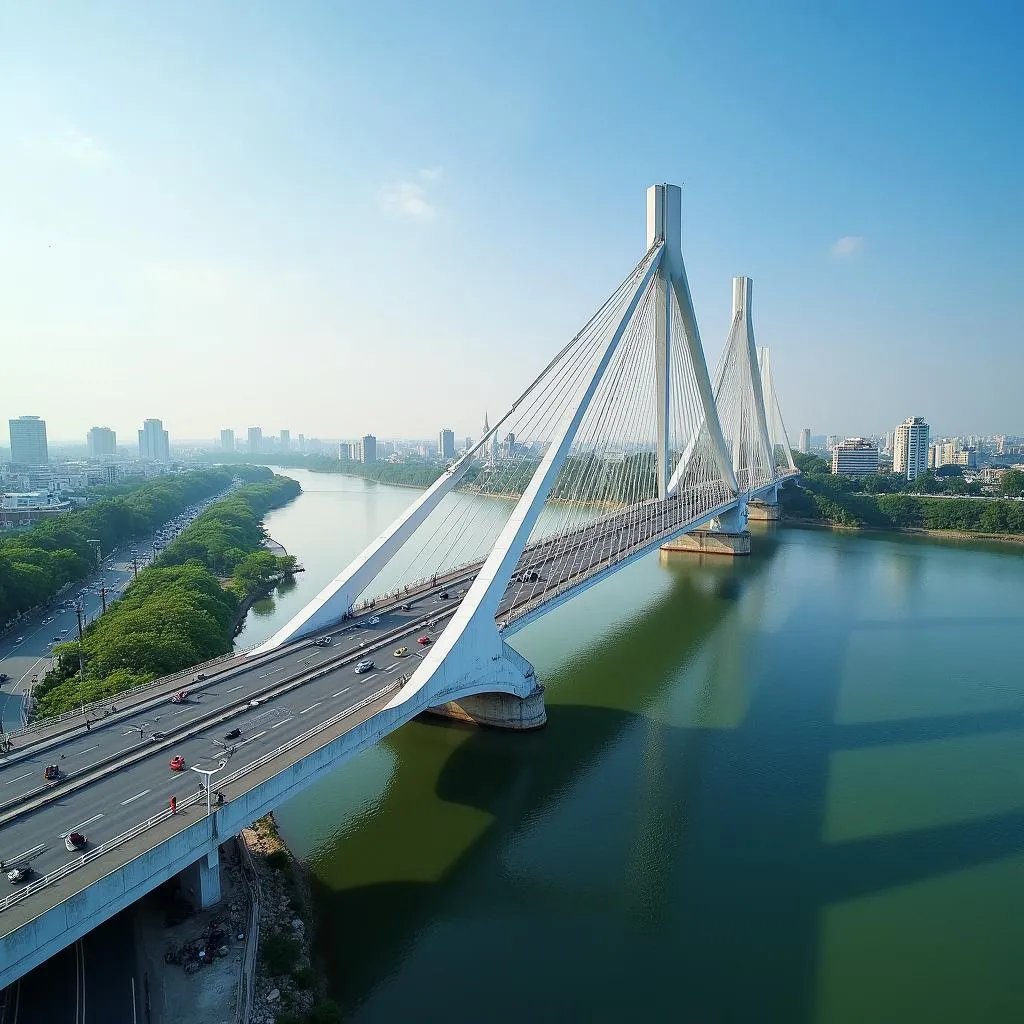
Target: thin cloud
408 199
430 173
82 149
848 245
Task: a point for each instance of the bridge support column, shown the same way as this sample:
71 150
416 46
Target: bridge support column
498 710
201 881
725 535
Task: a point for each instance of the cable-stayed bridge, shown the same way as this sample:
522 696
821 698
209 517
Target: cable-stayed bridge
623 443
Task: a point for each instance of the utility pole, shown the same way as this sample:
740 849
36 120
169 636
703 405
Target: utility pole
103 596
81 659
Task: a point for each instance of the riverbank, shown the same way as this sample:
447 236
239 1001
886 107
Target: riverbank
289 988
906 531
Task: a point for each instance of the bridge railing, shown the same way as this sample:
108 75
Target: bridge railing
112 844
247 966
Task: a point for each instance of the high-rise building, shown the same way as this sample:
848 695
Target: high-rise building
350 450
805 440
910 448
446 444
101 441
227 440
831 441
951 453
28 441
890 439
856 456
302 443
255 439
368 449
286 440
153 442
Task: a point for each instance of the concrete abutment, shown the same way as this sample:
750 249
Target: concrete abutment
711 542
200 881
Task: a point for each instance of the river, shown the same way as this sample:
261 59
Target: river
782 788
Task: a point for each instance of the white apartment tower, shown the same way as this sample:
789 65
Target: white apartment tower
805 440
153 442
910 448
28 441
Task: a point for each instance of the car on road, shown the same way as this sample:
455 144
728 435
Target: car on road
373 620
47 620
198 677
56 639
74 841
406 607
51 773
443 596
323 641
424 640
364 666
19 874
19 640
4 677
401 652
233 734
177 763
62 632
181 697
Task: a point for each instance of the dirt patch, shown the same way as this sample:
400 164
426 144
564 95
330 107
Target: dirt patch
167 926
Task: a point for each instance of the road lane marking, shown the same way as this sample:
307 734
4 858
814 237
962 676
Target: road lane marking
233 688
283 720
27 853
392 668
369 677
181 712
256 736
340 692
86 751
80 825
132 799
311 706
18 779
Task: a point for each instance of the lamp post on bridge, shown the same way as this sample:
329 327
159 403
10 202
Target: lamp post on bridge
208 774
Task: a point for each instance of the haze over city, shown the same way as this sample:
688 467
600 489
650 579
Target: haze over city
386 217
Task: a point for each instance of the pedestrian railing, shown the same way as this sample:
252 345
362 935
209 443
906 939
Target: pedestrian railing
111 844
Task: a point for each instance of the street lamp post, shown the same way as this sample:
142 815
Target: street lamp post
207 774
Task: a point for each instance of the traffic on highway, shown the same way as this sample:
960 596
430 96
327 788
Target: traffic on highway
26 648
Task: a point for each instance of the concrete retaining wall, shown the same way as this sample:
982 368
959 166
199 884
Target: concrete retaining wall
708 542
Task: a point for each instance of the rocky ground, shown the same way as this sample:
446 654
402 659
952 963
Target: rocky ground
194 958
288 988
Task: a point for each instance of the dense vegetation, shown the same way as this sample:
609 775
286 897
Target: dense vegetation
881 503
36 563
177 612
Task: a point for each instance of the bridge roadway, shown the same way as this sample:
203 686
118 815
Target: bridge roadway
118 774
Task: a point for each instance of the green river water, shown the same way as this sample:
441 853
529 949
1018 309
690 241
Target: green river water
788 787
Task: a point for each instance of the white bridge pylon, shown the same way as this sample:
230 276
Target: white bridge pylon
621 444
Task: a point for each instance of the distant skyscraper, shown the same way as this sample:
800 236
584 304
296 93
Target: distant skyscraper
831 441
910 448
446 443
368 449
286 440
101 441
805 440
227 440
28 441
302 443
153 442
255 439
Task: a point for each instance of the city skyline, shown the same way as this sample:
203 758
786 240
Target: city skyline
182 257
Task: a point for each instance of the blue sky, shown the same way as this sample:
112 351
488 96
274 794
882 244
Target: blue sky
340 217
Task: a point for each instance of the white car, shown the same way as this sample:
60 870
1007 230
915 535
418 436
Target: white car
364 666
19 640
373 620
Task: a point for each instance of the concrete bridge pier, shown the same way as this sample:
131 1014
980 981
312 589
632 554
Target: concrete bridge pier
497 710
766 507
201 880
725 535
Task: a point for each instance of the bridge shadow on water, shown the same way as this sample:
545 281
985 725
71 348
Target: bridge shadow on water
678 858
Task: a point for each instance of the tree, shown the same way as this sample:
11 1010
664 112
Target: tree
1012 483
